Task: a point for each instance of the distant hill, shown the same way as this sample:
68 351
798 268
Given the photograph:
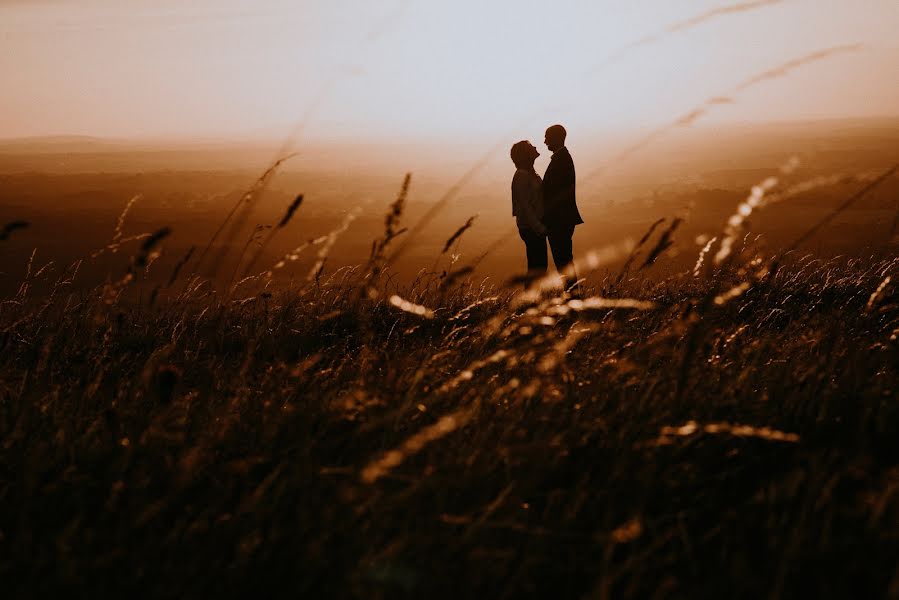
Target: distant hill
724 154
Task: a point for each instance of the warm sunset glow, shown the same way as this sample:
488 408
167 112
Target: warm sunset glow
449 298
469 69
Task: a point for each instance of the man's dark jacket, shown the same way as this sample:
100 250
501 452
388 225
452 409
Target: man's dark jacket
559 205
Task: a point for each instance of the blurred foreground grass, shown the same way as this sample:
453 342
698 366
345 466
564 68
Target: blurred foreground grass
725 432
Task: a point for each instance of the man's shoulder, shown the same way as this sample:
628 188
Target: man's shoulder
568 162
561 155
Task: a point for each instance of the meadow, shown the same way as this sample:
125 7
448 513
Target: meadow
716 421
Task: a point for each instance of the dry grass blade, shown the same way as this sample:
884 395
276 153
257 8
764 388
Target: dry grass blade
455 276
684 25
690 428
254 236
719 11
796 63
756 199
180 264
468 373
146 249
666 240
120 222
692 115
814 229
589 261
291 256
630 259
647 235
117 240
288 215
290 211
391 224
734 292
443 201
394 458
11 227
328 242
245 200
702 254
411 307
113 247
875 296
395 213
458 233
600 303
147 253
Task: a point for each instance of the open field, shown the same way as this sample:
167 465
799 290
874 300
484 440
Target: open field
72 194
723 427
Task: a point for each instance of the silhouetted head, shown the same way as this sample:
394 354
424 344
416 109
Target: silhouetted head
555 137
524 154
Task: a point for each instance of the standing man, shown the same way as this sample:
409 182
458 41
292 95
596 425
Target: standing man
560 214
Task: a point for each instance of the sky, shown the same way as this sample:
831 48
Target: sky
417 69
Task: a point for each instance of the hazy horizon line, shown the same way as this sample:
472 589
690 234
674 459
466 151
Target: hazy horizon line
265 140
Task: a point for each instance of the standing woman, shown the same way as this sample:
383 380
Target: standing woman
527 206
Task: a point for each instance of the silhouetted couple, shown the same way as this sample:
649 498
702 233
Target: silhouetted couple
546 210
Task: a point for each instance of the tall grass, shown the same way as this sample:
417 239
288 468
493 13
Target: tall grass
354 436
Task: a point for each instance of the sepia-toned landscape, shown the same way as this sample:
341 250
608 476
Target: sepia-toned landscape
262 364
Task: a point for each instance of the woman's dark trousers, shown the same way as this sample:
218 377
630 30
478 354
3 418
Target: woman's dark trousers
535 245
